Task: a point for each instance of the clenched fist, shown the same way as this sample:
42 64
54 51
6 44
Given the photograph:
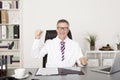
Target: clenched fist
38 34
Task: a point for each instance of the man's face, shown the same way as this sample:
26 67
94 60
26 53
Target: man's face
62 30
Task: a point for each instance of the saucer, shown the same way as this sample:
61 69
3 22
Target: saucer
20 77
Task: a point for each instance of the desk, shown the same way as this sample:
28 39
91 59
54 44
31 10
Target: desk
89 75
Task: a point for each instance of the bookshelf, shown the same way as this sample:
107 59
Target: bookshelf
100 58
10 32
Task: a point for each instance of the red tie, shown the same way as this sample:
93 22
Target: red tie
62 49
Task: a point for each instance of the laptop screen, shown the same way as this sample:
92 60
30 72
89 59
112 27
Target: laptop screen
116 64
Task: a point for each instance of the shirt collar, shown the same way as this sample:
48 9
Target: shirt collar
59 40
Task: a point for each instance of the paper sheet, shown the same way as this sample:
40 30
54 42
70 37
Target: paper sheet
47 71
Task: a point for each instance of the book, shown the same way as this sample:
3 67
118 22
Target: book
16 32
0 17
0 32
10 32
15 45
4 16
15 59
4 32
4 44
11 59
8 59
5 5
17 5
3 61
1 47
0 4
0 11
7 45
7 31
14 4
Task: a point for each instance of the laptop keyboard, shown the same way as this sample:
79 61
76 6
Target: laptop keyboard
106 69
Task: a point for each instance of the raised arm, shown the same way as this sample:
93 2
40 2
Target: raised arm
38 50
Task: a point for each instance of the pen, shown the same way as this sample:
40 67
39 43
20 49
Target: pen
35 79
30 73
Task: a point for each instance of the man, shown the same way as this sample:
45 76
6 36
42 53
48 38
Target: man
62 51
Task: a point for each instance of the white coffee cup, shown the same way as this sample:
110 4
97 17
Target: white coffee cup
20 72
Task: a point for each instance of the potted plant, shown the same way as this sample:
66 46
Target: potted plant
92 39
118 46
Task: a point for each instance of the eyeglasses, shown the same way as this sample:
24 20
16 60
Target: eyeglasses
62 28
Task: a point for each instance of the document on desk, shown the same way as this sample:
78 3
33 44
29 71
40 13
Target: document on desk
59 71
47 71
71 70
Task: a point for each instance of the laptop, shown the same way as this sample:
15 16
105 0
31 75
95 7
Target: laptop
111 69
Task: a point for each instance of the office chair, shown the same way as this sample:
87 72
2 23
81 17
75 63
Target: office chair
50 34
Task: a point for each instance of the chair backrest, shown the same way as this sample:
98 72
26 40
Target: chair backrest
50 34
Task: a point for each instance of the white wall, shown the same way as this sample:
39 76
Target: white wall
99 16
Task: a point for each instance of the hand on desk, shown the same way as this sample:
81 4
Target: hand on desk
83 61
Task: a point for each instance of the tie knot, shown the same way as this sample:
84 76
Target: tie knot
62 42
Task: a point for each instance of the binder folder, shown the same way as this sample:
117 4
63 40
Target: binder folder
63 71
16 32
